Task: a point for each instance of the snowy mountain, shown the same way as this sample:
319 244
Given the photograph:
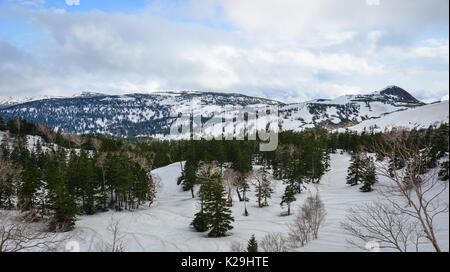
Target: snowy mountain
420 117
122 115
153 114
346 110
11 101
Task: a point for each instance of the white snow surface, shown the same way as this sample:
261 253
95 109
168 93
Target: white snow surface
419 117
165 225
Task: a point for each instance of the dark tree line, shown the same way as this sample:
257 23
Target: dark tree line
113 173
57 186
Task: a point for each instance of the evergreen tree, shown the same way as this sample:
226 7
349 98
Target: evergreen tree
190 176
29 185
82 180
243 165
216 207
141 188
221 217
295 175
263 188
202 219
221 156
252 245
355 170
59 201
8 183
443 173
266 191
288 198
369 175
2 124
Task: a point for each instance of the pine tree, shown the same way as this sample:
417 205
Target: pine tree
141 188
243 165
9 175
443 173
369 175
2 124
59 201
263 188
189 176
82 180
221 156
29 185
243 187
295 175
252 245
355 170
217 207
202 219
288 198
266 191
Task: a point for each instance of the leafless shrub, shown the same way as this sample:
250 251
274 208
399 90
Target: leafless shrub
314 212
117 243
307 221
46 131
237 247
298 234
274 242
73 138
18 235
206 170
230 179
380 222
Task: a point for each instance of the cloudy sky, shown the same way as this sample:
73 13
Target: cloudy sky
290 50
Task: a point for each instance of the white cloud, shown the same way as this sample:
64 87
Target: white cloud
73 2
58 10
291 51
373 2
34 3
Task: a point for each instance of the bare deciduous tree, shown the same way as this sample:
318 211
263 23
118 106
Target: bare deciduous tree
230 178
307 222
380 222
262 185
237 247
314 211
18 235
117 243
274 242
410 192
206 170
411 198
298 234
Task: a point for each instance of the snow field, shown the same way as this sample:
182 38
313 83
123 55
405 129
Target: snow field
165 225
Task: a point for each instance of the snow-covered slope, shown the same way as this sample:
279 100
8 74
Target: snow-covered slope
12 100
420 117
153 114
346 110
124 115
165 226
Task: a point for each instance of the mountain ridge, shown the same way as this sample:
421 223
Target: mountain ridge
151 115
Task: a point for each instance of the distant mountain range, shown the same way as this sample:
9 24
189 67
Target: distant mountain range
151 115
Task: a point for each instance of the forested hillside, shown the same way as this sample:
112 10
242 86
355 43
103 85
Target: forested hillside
56 176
